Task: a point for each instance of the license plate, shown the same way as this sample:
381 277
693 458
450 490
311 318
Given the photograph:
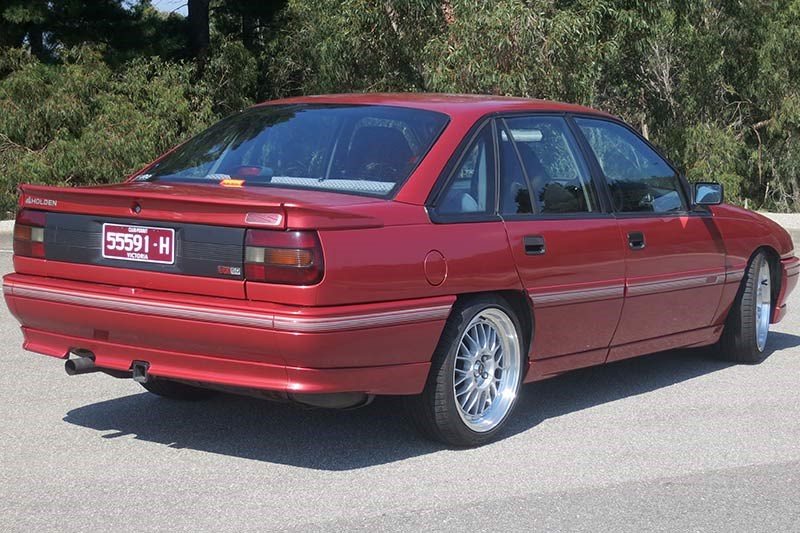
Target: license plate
139 243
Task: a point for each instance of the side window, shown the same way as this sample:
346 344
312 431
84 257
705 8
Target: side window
515 194
638 178
471 186
557 174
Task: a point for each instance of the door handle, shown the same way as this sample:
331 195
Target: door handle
534 245
636 240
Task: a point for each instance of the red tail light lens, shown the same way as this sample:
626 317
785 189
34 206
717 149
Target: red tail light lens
286 257
29 233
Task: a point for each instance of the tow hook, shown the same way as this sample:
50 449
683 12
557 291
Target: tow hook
139 369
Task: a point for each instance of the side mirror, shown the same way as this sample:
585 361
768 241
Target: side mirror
707 193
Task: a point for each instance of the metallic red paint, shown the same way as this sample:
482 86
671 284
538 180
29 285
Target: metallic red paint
683 249
583 257
373 321
388 379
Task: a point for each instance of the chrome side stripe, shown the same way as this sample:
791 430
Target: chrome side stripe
793 268
609 292
652 287
545 299
149 307
232 317
387 318
734 275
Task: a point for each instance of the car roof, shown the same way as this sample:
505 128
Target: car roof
451 104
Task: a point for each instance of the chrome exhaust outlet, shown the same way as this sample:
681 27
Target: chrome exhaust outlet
80 365
84 363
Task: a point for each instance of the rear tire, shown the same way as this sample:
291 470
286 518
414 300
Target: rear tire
747 326
475 375
177 391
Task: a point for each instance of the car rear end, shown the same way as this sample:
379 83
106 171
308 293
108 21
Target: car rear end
217 271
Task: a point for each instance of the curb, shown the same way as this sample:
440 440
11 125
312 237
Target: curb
6 226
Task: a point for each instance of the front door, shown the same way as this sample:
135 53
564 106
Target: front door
675 258
568 252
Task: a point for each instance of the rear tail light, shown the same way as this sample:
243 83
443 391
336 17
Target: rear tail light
29 233
286 257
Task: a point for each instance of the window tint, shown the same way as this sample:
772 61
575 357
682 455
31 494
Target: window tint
471 187
557 175
638 178
515 194
348 148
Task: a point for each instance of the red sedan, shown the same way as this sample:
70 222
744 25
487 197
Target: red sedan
446 248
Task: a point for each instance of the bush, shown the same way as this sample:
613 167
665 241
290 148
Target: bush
716 154
79 123
713 84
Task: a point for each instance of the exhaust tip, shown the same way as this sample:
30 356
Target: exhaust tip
80 365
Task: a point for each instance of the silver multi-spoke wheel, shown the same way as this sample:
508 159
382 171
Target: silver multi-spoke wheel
763 305
486 370
476 371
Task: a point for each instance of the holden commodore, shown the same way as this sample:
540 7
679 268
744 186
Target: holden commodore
447 249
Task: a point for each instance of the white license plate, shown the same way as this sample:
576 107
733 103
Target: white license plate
139 243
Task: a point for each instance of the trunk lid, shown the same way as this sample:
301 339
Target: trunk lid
207 222
206 204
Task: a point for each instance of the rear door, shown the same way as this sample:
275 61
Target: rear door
569 252
675 257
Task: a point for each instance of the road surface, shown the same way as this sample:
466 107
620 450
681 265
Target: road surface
672 441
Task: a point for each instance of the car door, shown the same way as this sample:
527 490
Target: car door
569 253
675 257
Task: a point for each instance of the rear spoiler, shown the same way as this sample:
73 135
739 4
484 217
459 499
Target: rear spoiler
222 209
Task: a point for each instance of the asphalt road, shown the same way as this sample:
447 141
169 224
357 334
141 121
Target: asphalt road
672 441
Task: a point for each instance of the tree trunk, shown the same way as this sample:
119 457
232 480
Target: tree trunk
36 43
249 31
199 40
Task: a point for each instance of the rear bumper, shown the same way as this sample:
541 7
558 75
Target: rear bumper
382 348
790 272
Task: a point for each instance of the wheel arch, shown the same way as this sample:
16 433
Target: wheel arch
523 309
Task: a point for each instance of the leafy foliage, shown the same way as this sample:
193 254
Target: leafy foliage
81 123
89 94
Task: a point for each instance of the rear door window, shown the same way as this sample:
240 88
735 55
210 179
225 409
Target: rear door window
558 177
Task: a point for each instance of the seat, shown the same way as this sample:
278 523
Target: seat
379 153
515 198
459 202
536 172
552 196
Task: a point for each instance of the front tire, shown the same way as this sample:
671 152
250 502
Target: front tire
475 376
744 338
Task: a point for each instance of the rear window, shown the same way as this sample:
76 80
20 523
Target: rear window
360 149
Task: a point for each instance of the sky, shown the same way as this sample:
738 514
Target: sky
179 6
